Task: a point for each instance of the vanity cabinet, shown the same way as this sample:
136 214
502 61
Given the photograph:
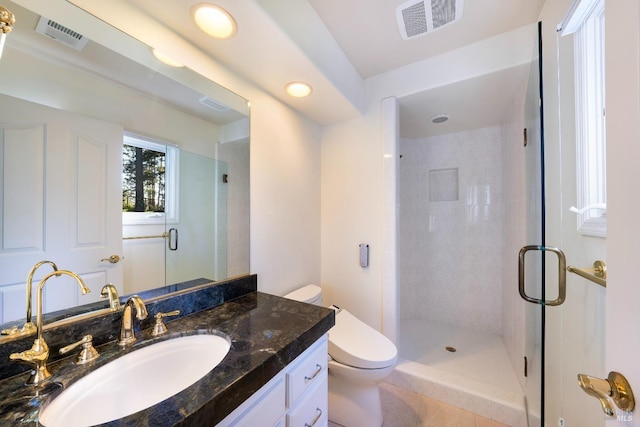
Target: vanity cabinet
296 397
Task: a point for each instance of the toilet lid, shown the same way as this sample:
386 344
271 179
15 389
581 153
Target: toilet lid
305 294
354 343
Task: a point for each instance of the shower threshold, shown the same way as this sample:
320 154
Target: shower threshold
477 376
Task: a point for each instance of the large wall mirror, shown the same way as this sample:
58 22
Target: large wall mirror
68 106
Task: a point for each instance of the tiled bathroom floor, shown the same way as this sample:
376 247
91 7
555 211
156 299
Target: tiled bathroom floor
404 408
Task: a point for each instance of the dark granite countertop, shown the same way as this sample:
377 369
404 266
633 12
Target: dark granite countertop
266 332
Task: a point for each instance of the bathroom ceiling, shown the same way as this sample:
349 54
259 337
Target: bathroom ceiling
367 31
336 45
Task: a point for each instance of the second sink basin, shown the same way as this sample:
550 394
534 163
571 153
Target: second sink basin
136 381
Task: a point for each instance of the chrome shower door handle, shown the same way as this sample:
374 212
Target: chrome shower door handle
562 275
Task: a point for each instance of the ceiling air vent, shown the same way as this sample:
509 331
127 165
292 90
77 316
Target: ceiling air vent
215 105
61 33
424 16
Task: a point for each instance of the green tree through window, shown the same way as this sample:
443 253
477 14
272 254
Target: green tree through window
143 179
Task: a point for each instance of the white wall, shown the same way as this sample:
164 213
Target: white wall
449 256
285 196
352 213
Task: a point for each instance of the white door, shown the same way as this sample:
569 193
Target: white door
60 176
596 330
622 349
575 330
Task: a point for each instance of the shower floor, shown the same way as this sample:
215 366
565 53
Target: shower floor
477 377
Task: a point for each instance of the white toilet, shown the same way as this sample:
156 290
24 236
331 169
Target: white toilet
359 358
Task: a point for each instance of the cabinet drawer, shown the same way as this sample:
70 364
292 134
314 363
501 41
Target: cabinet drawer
266 410
306 372
312 409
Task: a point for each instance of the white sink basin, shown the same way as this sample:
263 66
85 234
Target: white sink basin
136 381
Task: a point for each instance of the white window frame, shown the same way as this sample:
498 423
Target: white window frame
171 182
586 21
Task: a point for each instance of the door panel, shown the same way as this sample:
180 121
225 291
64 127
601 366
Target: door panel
23 198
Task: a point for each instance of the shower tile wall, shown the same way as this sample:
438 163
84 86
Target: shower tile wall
450 247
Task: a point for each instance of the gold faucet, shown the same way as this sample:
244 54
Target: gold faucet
127 334
110 291
39 352
29 326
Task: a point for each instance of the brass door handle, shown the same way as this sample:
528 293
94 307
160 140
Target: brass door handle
615 387
113 259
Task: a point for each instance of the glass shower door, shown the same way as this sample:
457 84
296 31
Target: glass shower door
197 239
532 278
561 342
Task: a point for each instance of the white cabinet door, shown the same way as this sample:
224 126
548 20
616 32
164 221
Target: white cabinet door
60 201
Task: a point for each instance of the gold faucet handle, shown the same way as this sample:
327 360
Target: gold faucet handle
88 352
27 329
10 331
160 328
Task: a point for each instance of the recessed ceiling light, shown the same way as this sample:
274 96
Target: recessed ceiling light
440 118
166 59
7 20
214 20
298 89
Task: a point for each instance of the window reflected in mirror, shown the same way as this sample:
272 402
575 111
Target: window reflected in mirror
150 179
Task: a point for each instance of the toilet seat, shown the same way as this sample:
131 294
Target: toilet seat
354 343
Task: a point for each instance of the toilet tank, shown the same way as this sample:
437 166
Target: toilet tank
311 294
